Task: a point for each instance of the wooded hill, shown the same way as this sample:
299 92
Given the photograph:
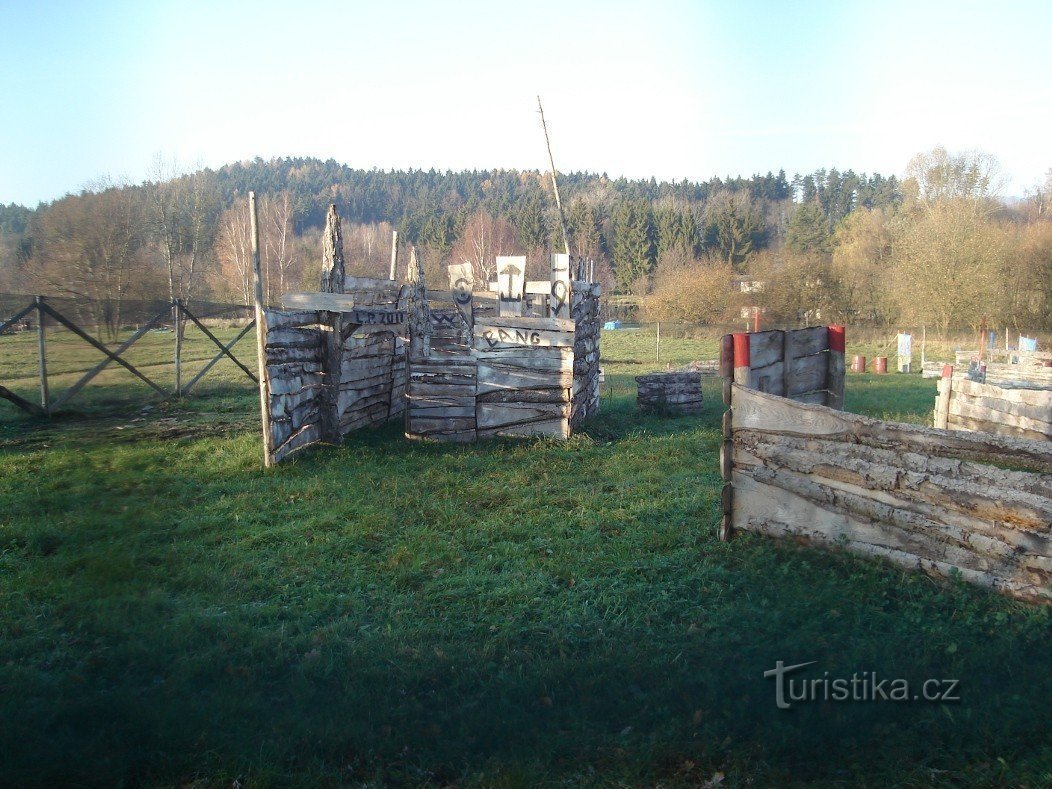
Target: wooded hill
678 245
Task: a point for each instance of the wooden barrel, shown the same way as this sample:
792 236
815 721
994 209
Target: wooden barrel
880 364
858 364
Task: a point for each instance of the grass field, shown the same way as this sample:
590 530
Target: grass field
511 613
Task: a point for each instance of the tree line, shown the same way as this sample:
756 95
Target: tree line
839 243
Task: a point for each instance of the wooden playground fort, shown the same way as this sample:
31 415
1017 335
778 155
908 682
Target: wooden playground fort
512 358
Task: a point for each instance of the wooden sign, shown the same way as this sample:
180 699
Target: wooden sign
377 318
461 285
511 279
559 300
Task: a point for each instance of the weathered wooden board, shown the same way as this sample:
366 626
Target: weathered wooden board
807 374
770 378
757 411
493 377
559 287
511 280
765 348
492 415
497 337
806 342
556 428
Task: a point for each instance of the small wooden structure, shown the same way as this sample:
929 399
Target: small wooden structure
806 365
673 392
933 500
1023 411
456 364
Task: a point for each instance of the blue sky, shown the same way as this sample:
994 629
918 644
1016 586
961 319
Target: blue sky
670 89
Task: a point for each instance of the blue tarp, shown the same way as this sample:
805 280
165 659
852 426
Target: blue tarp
612 325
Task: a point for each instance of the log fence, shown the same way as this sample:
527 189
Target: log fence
42 311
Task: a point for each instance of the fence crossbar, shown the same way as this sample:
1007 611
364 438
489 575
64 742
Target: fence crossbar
17 317
98 346
25 405
66 396
224 350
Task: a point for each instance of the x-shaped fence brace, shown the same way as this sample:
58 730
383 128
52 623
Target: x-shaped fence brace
42 308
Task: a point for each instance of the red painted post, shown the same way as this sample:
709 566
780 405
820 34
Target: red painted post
741 358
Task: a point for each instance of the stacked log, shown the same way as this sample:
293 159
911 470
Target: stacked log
1005 410
295 367
675 392
525 376
923 498
584 312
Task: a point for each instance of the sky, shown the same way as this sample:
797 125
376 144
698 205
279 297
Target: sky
664 88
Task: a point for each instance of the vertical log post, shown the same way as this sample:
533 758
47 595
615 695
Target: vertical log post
332 281
177 315
394 254
942 404
741 358
835 376
261 335
45 397
727 366
727 472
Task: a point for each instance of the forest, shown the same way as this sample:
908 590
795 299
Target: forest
939 247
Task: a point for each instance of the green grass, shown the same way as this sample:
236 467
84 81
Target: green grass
507 613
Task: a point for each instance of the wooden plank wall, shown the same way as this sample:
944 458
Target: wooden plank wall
525 376
372 366
934 500
806 365
675 392
1029 368
519 376
584 312
295 369
1007 411
441 384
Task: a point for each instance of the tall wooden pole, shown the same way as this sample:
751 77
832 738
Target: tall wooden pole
261 335
45 397
394 254
177 314
555 182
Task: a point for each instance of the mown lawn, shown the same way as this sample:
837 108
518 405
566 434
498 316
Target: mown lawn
511 613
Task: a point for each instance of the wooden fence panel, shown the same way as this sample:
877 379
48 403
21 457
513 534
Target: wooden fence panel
920 497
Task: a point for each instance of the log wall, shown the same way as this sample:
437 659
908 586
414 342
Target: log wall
806 365
927 499
517 376
584 311
676 392
329 375
1005 410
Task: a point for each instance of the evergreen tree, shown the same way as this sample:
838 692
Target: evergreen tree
633 244
808 229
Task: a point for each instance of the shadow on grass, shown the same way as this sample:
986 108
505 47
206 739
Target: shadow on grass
511 612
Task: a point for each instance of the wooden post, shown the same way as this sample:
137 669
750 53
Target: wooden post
555 183
924 338
942 403
332 281
177 314
45 397
394 254
261 335
727 472
741 358
835 375
727 366
657 344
